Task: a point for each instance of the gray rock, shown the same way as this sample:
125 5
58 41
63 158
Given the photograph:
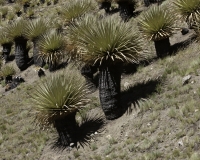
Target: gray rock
186 79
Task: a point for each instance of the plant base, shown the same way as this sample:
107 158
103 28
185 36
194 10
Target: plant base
109 91
162 47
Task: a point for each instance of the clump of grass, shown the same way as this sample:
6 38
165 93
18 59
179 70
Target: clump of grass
7 71
3 12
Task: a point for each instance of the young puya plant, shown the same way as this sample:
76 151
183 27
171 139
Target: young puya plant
105 4
107 43
6 43
158 24
189 10
33 31
57 99
51 48
126 8
15 31
74 9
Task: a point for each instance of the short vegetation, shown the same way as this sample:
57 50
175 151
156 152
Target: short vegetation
128 51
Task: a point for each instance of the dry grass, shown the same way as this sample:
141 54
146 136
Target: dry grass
164 126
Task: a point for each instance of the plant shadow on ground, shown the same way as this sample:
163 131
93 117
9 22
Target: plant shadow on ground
132 68
88 126
133 95
182 45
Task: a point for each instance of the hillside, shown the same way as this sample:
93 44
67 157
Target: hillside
161 122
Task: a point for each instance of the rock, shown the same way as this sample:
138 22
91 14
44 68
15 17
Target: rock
186 79
126 84
180 143
109 136
71 144
148 124
196 110
96 133
184 31
126 135
92 135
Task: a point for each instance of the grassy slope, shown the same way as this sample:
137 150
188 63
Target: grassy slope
165 126
154 129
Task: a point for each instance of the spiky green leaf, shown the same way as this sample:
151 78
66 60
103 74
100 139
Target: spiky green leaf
76 8
36 28
59 95
157 23
106 41
51 46
188 9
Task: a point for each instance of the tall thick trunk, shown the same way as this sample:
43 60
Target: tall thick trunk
38 61
126 10
162 47
106 6
109 91
21 55
66 128
6 50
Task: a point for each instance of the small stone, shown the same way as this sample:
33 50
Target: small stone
151 68
96 133
196 110
195 92
184 31
192 82
186 79
180 143
109 136
126 84
92 135
148 124
126 135
71 144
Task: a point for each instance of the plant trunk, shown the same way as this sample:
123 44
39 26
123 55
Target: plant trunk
52 66
21 55
87 71
106 6
6 51
66 128
38 61
162 47
109 91
126 10
147 3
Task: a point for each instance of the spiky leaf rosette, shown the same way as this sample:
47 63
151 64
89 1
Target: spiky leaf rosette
59 95
16 29
3 11
4 39
197 29
76 8
51 47
107 41
36 28
188 9
157 23
7 71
